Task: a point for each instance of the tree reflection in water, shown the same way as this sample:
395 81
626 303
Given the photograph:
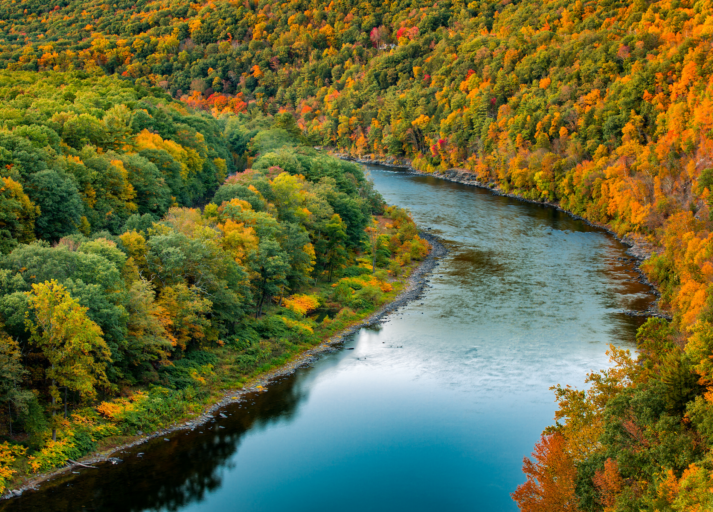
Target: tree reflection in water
433 413
171 474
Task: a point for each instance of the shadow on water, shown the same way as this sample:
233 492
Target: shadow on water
173 473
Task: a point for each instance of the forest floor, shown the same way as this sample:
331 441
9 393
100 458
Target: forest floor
416 283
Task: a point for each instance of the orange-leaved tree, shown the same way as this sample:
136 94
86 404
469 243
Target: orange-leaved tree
551 478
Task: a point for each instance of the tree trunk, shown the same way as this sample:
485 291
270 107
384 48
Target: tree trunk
373 261
262 299
54 411
259 306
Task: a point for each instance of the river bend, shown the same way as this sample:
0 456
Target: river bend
434 409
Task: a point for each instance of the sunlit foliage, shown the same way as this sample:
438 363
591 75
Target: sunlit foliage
602 107
128 297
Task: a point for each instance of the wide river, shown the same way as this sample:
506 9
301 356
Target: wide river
433 410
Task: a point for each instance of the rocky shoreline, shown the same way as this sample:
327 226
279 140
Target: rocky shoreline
637 249
417 282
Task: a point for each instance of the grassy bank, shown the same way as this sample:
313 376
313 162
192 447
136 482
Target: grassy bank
216 376
177 255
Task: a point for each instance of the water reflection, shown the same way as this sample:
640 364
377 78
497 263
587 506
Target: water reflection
169 475
433 410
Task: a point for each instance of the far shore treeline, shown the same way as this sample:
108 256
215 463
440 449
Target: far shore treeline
143 268
601 106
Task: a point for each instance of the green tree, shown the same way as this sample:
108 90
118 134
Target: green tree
153 195
78 131
117 125
73 345
147 339
272 266
17 215
295 242
11 374
335 253
60 206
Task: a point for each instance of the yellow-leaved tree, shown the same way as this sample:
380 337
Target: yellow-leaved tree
8 455
72 343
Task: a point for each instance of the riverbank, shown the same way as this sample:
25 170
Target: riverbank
415 285
638 249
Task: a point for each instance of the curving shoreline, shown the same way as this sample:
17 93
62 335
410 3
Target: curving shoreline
638 251
416 284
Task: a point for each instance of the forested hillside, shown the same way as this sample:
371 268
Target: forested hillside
604 107
123 307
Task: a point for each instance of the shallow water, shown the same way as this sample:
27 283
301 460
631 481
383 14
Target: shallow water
433 410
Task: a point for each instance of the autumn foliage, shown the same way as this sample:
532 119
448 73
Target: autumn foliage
551 478
8 455
302 304
124 307
603 108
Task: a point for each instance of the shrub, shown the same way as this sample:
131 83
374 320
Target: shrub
8 454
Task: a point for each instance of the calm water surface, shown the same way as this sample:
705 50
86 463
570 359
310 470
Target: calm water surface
434 410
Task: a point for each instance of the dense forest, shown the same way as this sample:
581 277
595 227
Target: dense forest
143 269
603 107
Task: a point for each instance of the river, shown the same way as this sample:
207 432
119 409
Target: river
434 409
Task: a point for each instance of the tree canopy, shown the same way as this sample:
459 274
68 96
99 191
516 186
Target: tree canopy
140 258
121 120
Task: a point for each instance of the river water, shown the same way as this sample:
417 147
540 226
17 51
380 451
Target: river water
434 409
